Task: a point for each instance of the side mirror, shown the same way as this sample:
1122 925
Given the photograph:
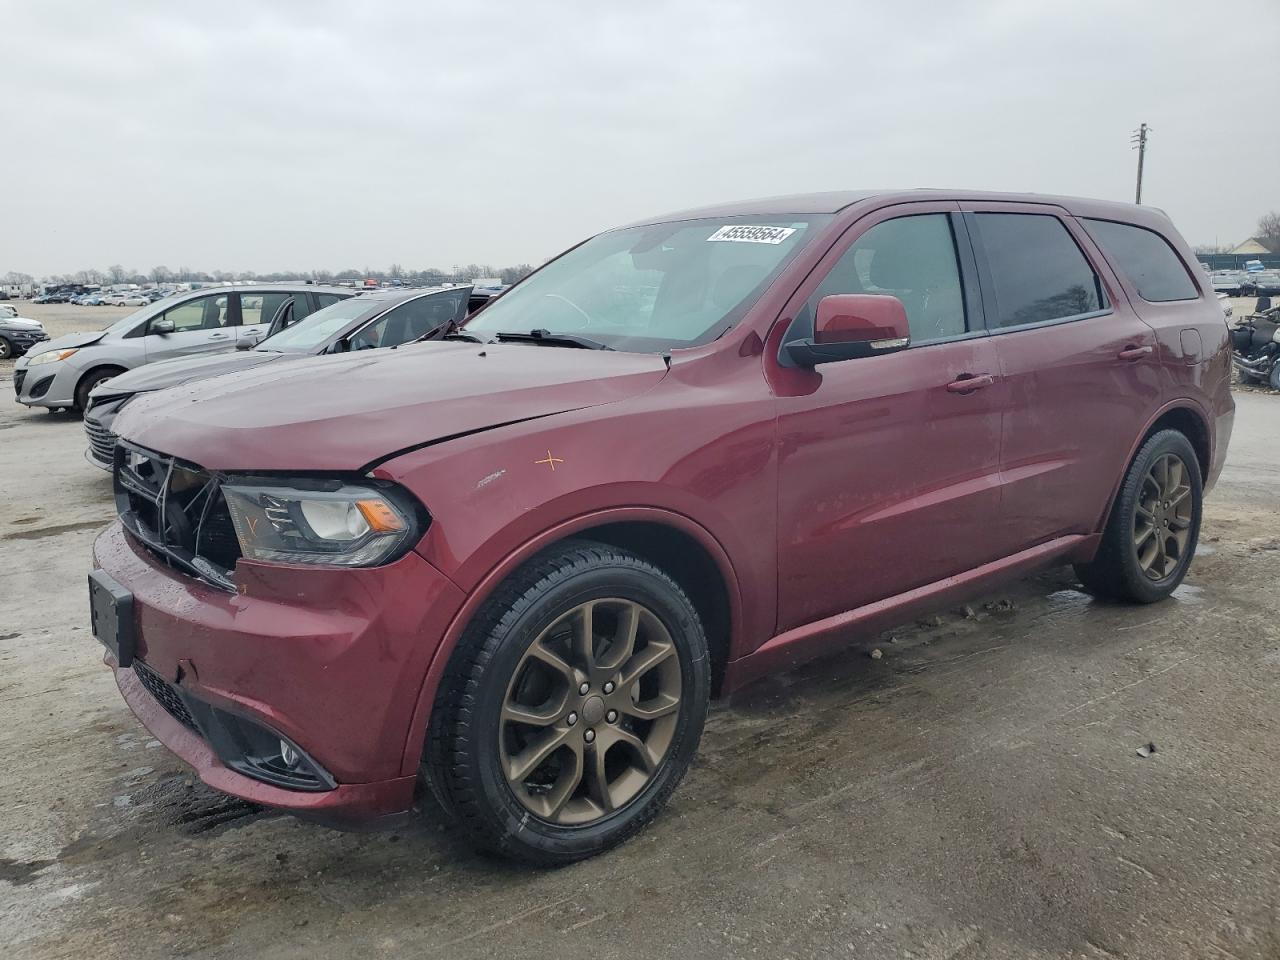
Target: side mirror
340 346
245 344
853 325
163 325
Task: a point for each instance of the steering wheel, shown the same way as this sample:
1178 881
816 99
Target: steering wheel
585 316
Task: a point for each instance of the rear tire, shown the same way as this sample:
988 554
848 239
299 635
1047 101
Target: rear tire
517 682
1151 535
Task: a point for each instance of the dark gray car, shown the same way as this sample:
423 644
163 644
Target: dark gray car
366 322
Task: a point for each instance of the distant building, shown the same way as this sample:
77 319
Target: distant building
1252 245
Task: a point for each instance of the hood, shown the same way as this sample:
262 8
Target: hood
68 340
20 323
346 411
173 373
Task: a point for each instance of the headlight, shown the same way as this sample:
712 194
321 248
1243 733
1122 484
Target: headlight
334 525
51 356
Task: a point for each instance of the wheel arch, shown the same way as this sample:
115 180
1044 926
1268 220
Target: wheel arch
90 371
1185 416
672 541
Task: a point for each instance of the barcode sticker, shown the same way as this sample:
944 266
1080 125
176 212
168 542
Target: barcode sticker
748 234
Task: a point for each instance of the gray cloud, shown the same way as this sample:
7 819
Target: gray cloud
316 134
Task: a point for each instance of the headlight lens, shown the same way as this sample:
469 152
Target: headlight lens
51 356
348 526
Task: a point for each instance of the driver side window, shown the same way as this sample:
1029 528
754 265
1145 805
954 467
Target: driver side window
914 259
203 313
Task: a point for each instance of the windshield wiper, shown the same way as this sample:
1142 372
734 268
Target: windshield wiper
552 339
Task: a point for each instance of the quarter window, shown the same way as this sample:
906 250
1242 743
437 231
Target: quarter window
911 258
1146 258
1037 270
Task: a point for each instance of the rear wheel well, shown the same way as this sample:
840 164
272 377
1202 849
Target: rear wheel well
691 566
1192 426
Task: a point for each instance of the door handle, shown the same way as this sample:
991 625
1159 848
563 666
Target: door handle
1134 353
217 336
968 383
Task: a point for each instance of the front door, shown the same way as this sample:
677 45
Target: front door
889 466
200 325
1080 366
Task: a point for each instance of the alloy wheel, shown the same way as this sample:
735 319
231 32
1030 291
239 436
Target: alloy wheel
1162 517
591 712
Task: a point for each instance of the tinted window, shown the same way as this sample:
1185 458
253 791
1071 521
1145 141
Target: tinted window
203 313
261 307
1037 270
914 259
410 321
327 299
1147 258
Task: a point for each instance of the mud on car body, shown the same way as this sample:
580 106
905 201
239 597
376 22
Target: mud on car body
685 454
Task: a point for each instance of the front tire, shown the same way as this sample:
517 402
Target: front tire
7 349
1151 535
572 707
91 380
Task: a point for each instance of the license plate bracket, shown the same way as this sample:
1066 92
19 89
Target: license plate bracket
111 617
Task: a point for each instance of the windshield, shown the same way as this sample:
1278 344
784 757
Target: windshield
655 287
315 331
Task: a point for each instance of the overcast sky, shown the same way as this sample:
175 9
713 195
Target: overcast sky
267 136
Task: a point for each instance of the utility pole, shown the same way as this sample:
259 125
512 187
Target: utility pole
1139 139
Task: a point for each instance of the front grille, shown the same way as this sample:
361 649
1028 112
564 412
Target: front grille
176 509
18 377
165 695
101 440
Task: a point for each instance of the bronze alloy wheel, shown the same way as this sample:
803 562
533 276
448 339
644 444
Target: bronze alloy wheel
591 712
1162 517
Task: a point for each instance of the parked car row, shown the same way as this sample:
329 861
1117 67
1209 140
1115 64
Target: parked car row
513 551
1241 283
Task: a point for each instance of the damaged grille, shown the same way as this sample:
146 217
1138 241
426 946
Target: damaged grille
101 440
165 695
177 511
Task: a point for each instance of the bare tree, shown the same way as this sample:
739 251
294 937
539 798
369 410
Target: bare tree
116 273
1269 231
160 274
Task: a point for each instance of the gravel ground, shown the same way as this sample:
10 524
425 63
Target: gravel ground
976 791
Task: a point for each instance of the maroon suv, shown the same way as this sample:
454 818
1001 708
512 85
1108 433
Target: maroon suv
684 454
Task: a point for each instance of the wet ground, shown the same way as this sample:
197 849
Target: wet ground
984 788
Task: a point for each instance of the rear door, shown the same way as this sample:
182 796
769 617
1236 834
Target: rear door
1080 366
888 477
200 325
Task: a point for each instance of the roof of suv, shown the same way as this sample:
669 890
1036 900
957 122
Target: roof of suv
835 201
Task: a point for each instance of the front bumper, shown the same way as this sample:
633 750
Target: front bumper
23 341
46 384
334 660
97 429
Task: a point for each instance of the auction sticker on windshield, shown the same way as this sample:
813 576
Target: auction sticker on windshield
747 234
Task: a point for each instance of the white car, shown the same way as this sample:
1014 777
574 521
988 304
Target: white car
8 310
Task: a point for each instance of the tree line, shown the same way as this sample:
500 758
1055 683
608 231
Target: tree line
116 274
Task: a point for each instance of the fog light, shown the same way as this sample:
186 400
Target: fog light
289 754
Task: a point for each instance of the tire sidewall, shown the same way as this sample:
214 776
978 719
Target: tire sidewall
1168 441
680 619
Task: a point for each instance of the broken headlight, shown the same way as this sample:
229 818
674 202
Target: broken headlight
331 525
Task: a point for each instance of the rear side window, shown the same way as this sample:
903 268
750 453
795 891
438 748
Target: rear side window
260 307
1037 270
1147 258
326 299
